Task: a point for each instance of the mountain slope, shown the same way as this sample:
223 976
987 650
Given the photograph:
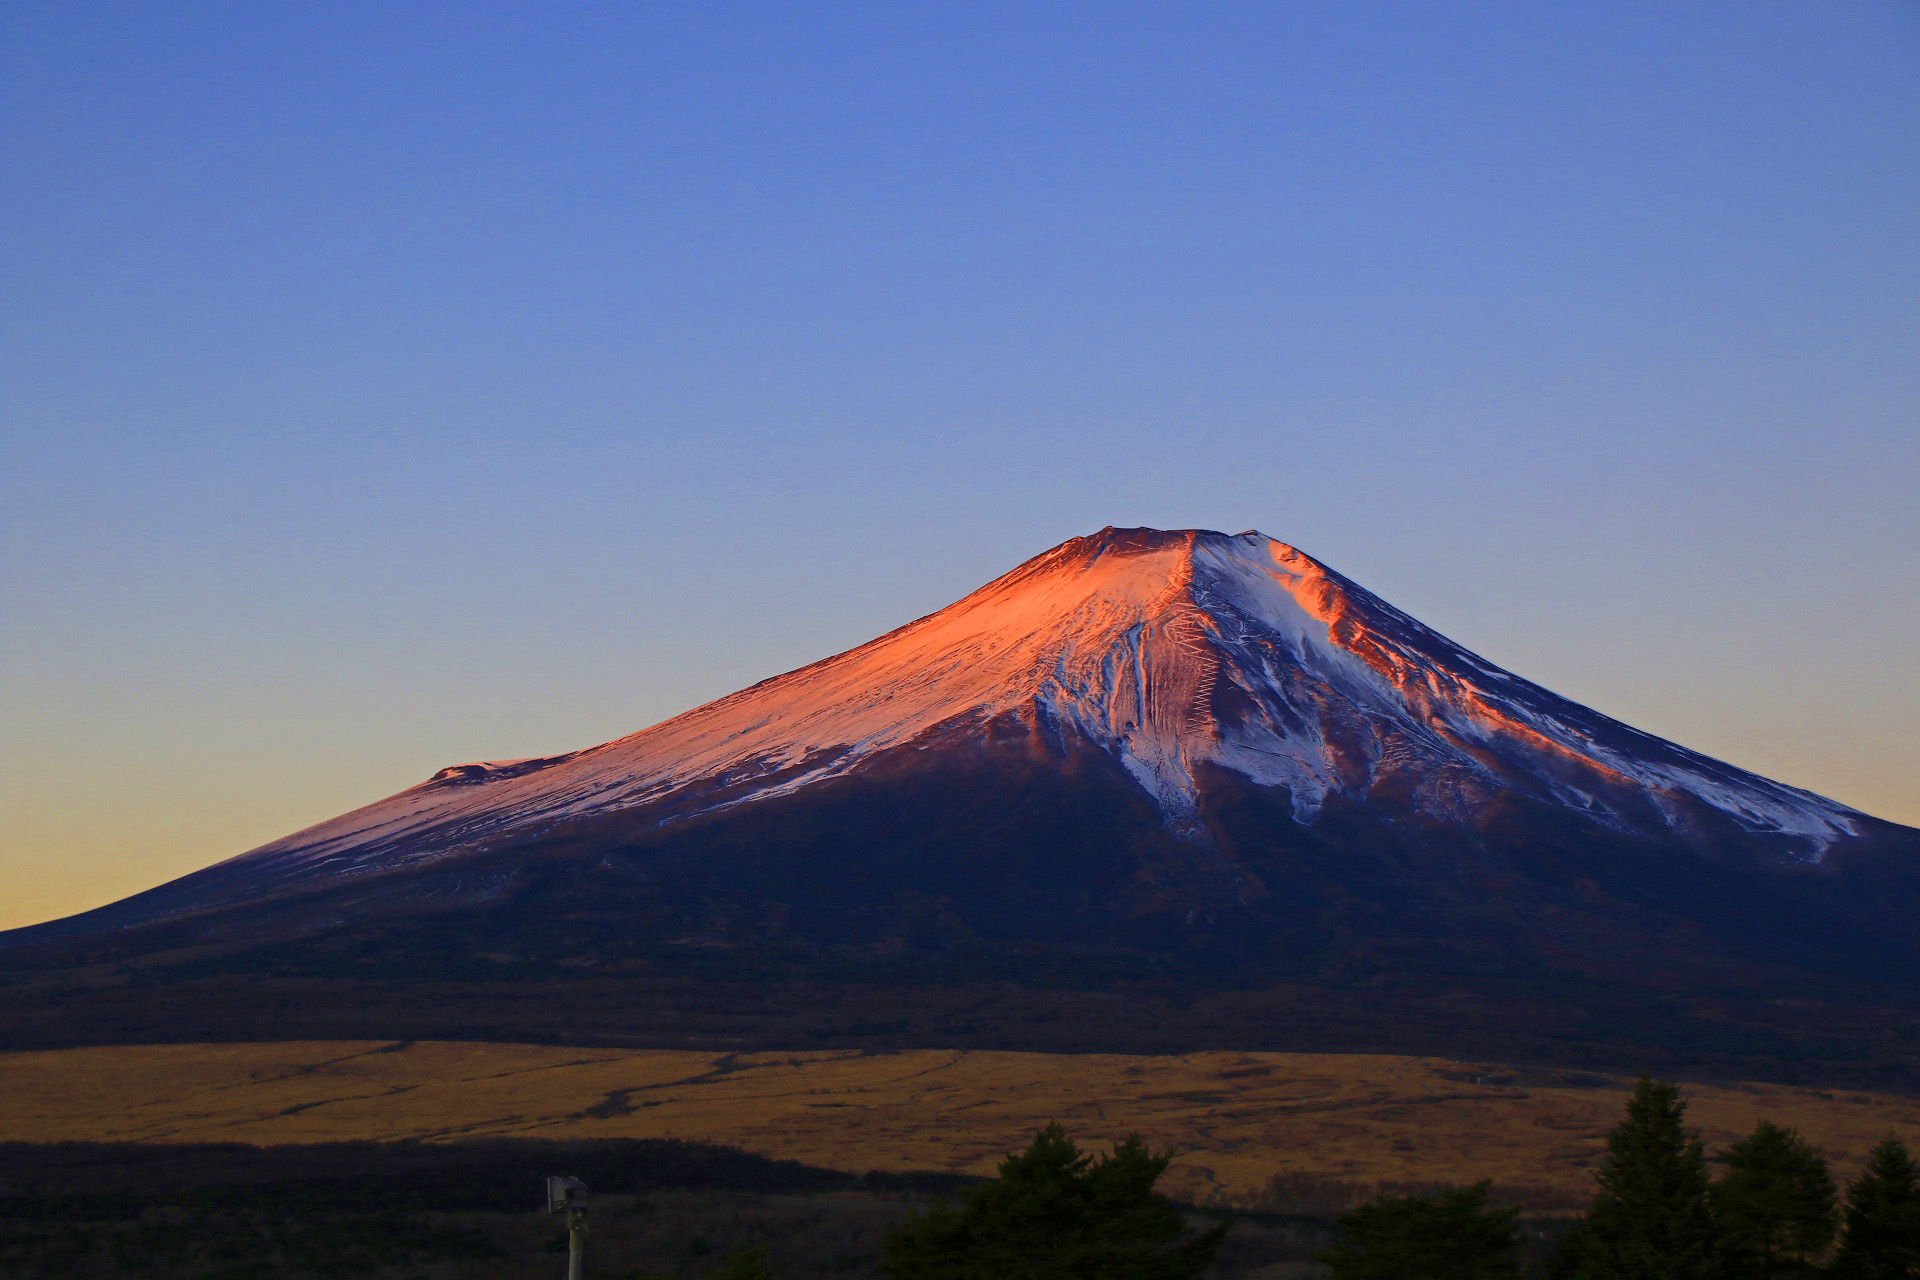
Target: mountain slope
1144 742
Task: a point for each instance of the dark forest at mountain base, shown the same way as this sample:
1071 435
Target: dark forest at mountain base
1542 1023
473 1211
466 1209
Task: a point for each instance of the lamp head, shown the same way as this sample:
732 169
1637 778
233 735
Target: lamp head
565 1193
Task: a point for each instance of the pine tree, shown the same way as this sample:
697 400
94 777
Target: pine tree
1883 1219
1652 1219
1452 1236
1054 1214
1775 1205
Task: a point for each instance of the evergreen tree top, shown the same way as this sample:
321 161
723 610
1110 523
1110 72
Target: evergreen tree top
1651 1219
1057 1214
1882 1218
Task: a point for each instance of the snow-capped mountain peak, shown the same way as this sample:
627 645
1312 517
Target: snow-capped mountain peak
1173 652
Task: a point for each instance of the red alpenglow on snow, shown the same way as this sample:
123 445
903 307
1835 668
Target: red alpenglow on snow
1170 651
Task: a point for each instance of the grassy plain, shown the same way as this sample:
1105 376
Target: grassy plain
1238 1119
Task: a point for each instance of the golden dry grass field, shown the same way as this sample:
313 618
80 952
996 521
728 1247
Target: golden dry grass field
1236 1118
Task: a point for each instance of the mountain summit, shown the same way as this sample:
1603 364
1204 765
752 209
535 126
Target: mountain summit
1144 742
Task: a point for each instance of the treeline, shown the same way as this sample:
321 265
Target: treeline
413 1210
101 1181
1773 1213
1765 1208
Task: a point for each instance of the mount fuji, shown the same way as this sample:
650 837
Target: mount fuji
1142 753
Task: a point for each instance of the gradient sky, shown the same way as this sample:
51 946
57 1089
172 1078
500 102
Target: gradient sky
390 385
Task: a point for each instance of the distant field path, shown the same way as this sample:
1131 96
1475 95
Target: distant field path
1237 1118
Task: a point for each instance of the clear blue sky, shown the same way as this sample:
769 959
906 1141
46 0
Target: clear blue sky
394 384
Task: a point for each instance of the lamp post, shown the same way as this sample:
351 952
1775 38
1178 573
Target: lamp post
569 1196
